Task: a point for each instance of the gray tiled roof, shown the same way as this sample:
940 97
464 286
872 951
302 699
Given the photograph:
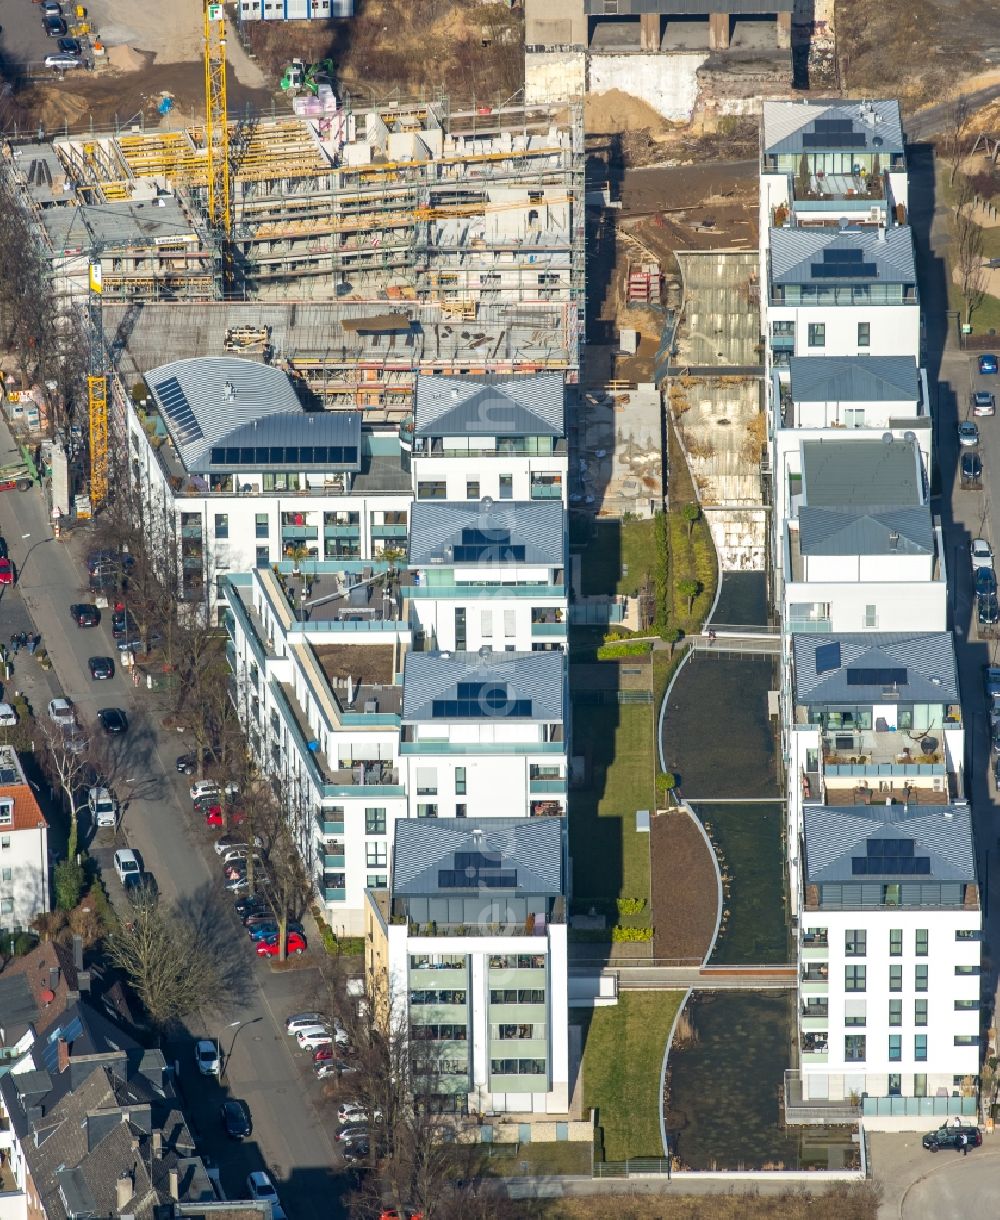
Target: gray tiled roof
426 846
866 531
533 678
785 123
864 473
794 251
201 411
928 659
854 379
834 836
490 406
438 527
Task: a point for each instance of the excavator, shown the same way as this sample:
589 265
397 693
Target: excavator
298 76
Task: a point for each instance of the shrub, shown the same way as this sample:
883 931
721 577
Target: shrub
69 881
631 906
621 934
628 648
23 943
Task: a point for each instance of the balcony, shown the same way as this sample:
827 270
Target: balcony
546 491
329 825
333 859
548 630
390 531
815 1048
366 780
435 447
519 1084
334 893
815 948
541 787
475 592
815 980
299 533
814 1018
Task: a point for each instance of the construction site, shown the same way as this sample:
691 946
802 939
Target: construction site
355 249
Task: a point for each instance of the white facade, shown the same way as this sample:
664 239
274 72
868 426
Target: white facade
294 10
845 329
24 850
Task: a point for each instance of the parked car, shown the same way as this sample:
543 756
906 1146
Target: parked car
251 905
296 943
351 1111
236 1120
986 581
203 787
227 843
968 433
63 62
260 1186
972 468
354 1131
85 615
141 885
206 1056
322 1054
987 365
122 624
6 572
357 1150
304 1020
215 818
101 668
982 554
187 764
313 1039
71 46
268 929
987 610
326 1069
55 27
51 8
240 851
8 717
103 807
984 403
126 863
113 720
61 711
951 1137
74 738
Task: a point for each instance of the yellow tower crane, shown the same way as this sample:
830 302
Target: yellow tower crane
216 124
97 391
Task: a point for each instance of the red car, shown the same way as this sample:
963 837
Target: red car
6 572
215 819
269 948
323 1054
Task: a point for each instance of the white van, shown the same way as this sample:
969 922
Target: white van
103 807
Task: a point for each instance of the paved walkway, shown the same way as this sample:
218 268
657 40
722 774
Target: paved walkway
639 977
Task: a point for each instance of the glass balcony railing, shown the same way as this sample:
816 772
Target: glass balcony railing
332 893
542 630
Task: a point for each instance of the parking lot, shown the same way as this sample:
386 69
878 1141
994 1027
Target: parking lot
24 42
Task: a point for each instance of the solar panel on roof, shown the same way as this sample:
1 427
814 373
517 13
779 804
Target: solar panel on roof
853 271
827 658
837 254
478 870
877 677
890 866
833 125
178 408
834 139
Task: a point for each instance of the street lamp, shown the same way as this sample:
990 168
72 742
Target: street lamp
237 1025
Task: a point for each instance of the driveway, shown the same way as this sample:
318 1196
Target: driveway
291 1128
921 1185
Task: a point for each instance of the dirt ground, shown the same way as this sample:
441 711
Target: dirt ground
683 886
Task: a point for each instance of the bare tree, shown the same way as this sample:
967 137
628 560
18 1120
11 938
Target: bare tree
955 140
64 753
968 253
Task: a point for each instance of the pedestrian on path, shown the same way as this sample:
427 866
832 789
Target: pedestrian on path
963 1139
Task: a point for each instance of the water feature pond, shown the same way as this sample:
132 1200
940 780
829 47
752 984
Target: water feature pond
725 1087
750 850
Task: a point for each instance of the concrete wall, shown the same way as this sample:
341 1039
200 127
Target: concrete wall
667 83
554 76
555 23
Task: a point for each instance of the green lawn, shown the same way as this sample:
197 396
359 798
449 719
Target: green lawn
535 1160
615 555
622 1057
610 860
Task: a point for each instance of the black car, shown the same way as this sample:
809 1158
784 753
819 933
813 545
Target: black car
951 1137
972 467
140 885
235 1118
187 764
122 624
987 610
101 668
55 27
356 1150
70 46
986 582
251 907
113 720
85 615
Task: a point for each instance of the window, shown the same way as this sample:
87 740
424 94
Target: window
854 1012
6 813
963 934
506 487
864 334
263 556
472 489
378 881
4 842
374 821
855 417
895 978
262 525
965 970
8 874
920 945
895 1012
919 1012
510 623
871 622
920 978
460 784
486 624
854 978
919 1085
855 1047
895 942
817 334
427 781
222 525
427 811
783 328
7 906
960 1005
376 854
895 1048
431 489
855 942
513 995
920 1048
461 811
966 1040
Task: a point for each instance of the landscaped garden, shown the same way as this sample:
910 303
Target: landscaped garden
684 889
623 1055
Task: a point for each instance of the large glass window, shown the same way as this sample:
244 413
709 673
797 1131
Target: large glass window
855 1046
895 1048
854 978
896 942
920 978
855 942
895 978
817 334
920 1048
374 821
920 1012
895 1012
920 942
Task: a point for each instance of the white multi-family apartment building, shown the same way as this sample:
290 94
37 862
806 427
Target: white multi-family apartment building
24 848
502 437
488 574
858 549
471 936
236 474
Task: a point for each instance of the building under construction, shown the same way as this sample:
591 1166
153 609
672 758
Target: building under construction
364 246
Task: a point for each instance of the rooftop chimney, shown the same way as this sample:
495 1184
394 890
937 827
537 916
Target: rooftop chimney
53 977
175 1187
63 1052
157 1144
123 1192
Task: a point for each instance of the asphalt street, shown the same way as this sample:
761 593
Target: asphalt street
292 1120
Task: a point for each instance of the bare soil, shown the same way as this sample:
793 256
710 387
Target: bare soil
683 886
